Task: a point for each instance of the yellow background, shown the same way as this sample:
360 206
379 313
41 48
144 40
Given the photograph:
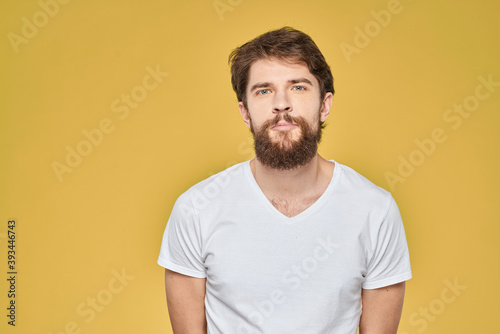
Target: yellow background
108 214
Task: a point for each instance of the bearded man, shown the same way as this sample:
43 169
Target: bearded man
287 242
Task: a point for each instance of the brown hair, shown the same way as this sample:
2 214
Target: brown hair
285 44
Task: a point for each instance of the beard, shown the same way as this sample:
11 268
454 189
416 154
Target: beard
283 151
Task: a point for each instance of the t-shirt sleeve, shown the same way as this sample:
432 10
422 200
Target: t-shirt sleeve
181 245
390 260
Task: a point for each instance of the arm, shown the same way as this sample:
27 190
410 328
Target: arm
186 303
381 309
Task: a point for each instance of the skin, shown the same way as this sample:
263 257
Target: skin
277 87
282 87
382 309
186 303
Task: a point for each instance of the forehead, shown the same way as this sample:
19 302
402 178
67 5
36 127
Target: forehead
277 71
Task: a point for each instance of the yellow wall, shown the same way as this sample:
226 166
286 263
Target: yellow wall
84 222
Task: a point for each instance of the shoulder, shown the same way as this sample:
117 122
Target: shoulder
355 186
214 187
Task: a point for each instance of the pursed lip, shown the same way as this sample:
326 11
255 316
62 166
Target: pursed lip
282 126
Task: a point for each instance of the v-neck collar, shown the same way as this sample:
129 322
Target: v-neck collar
306 212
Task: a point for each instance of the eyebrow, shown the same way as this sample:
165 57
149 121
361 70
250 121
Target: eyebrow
260 85
301 80
292 81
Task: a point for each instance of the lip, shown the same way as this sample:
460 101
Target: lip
283 126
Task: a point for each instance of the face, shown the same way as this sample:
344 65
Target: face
284 111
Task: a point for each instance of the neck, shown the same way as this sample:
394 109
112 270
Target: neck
291 182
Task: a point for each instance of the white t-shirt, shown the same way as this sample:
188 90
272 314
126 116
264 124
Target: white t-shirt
268 273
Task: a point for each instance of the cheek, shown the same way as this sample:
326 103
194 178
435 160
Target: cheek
257 106
307 103
254 122
257 114
309 109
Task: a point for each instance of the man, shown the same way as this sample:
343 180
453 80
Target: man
287 242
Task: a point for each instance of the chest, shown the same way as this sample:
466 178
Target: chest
292 206
256 260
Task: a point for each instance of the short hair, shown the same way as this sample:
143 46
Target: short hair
285 44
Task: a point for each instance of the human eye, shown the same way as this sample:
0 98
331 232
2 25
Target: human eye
263 91
299 88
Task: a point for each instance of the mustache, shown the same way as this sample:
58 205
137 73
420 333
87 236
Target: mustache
267 125
280 117
284 117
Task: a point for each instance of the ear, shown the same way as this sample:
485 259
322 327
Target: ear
326 106
244 114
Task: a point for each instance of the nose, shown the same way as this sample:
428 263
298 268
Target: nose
281 103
